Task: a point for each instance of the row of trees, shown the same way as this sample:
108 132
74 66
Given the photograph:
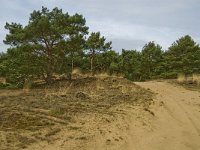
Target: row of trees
54 42
183 56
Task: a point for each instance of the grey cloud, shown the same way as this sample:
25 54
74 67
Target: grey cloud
123 21
127 44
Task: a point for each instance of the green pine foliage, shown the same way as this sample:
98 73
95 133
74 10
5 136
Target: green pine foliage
54 43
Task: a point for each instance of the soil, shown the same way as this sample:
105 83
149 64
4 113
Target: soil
103 114
176 125
88 113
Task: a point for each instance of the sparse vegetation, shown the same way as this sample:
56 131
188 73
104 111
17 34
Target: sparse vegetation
90 104
189 81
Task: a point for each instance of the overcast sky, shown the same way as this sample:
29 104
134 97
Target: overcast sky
128 23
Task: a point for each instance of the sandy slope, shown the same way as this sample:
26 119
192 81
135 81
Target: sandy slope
171 123
177 120
82 114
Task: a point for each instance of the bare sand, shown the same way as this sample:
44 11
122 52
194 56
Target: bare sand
177 120
108 114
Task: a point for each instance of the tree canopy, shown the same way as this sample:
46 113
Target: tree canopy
54 43
48 34
96 44
184 55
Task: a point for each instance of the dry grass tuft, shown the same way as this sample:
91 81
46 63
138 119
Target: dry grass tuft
27 85
181 78
102 75
60 92
3 80
76 71
118 75
196 79
192 79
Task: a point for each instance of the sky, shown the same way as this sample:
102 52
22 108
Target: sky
129 24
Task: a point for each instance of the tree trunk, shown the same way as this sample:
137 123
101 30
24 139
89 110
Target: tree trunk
92 63
72 65
72 62
49 77
91 66
49 67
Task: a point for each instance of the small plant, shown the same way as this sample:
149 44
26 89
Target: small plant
196 79
55 112
181 78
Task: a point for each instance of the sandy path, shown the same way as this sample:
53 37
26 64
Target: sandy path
177 120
